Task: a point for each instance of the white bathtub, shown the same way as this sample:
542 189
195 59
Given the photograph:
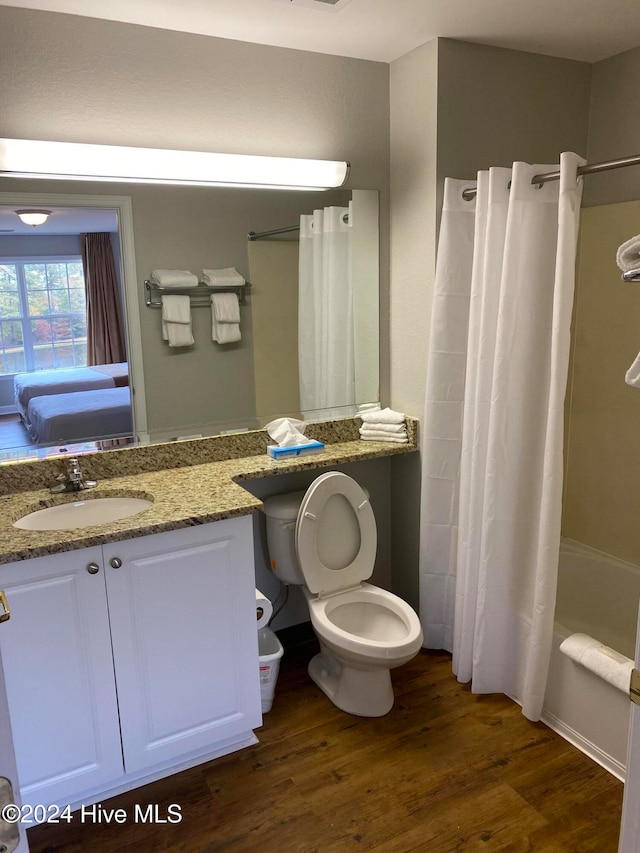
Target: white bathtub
597 595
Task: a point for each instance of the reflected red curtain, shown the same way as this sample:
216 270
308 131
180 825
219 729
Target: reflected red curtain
105 331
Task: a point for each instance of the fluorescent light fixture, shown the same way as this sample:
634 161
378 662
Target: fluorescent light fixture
33 216
28 158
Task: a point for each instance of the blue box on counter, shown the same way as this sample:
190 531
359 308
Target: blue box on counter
295 450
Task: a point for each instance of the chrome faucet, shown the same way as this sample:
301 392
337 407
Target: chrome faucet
73 480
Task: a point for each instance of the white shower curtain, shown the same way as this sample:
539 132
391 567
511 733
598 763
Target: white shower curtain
493 428
325 310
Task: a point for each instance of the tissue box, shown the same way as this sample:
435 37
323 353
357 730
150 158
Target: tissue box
295 450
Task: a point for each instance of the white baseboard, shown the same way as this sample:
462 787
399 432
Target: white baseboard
615 767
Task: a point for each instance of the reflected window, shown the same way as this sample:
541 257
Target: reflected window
43 321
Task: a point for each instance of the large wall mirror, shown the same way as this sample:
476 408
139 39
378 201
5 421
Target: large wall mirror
205 388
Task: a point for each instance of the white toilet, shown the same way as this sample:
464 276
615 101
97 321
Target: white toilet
325 540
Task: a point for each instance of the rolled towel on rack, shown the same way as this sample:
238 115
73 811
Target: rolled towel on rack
224 306
605 662
176 321
632 376
628 254
174 278
383 416
228 277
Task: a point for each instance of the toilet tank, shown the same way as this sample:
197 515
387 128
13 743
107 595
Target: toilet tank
281 512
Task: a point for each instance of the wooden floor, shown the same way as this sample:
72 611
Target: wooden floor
444 771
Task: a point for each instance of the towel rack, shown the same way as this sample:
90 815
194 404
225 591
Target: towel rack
200 295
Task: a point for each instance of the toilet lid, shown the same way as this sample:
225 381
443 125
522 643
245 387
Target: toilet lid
336 537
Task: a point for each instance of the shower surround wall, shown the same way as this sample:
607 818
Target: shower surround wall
603 453
602 468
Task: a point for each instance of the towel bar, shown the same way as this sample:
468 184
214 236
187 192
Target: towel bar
200 295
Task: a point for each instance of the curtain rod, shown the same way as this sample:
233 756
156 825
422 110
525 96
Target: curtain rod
588 169
252 235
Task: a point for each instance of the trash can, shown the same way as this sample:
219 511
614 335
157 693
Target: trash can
270 651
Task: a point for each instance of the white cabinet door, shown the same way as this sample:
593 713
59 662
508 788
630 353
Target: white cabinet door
182 608
58 668
8 770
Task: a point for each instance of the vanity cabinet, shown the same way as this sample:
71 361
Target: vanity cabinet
126 661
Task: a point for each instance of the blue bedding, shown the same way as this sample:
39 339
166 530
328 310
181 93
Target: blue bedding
26 386
80 415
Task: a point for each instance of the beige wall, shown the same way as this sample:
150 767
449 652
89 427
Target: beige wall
70 78
498 105
273 267
413 234
603 453
614 129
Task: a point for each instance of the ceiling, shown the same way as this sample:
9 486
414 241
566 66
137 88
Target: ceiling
383 30
63 220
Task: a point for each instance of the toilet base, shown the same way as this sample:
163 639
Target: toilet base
363 692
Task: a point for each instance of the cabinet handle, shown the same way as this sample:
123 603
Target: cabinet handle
93 568
5 613
115 562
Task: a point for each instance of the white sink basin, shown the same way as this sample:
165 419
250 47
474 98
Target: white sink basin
70 516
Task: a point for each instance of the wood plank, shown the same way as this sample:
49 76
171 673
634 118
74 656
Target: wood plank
444 771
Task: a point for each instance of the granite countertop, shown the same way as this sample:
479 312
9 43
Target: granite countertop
182 497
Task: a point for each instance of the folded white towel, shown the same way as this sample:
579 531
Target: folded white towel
397 428
383 416
228 277
395 439
225 307
174 278
383 435
605 662
632 376
176 321
628 254
225 331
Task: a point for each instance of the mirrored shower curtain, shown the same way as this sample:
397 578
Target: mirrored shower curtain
325 310
493 429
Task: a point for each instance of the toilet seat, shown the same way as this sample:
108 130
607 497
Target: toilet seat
335 496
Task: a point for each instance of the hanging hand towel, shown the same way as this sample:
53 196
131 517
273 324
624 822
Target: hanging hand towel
632 376
228 277
224 306
383 416
176 321
174 278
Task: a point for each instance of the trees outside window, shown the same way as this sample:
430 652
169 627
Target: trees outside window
42 314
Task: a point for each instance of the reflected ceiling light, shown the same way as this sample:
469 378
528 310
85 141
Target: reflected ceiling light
27 158
33 216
